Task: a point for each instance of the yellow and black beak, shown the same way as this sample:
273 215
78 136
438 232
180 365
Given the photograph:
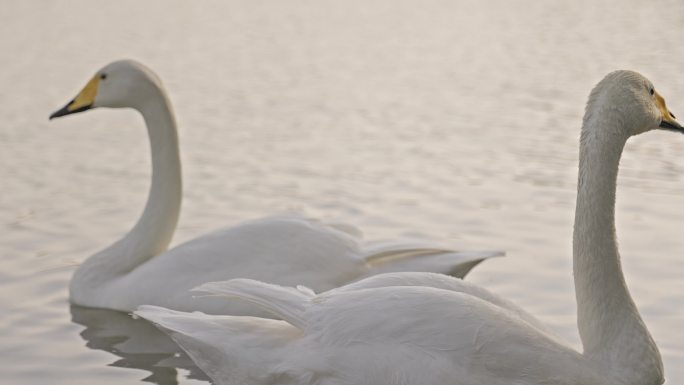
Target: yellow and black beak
668 122
83 101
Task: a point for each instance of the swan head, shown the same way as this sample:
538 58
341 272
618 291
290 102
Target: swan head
121 84
631 101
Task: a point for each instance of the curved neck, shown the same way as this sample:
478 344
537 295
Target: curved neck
153 232
612 332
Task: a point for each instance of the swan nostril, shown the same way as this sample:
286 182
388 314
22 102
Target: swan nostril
672 115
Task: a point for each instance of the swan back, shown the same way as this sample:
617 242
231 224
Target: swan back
383 335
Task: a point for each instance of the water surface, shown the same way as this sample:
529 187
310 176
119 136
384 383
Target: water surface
448 120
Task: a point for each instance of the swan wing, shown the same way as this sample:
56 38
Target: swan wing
396 255
441 281
289 303
285 250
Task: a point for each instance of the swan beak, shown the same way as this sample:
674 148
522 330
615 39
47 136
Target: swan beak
668 122
83 101
671 124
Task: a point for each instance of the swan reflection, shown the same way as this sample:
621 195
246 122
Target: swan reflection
137 343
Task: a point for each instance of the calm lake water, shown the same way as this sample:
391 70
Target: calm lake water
449 120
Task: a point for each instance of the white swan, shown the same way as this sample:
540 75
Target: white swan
429 329
138 269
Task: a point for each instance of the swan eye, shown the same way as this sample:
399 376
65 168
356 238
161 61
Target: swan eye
652 91
104 76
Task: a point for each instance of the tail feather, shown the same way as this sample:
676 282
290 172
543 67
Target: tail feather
384 248
229 349
287 303
171 320
397 258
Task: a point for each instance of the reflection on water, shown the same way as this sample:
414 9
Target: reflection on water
138 344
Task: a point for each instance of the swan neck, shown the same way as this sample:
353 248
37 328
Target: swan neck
612 331
154 230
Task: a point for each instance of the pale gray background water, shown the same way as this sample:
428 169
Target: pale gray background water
450 120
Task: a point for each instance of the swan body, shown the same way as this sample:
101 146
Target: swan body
289 250
381 335
422 328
